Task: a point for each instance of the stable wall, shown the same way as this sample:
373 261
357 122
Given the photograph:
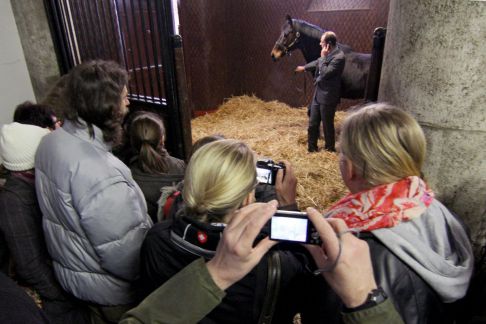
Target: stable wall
434 67
227 46
15 85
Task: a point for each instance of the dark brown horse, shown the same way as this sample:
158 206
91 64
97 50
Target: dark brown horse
299 34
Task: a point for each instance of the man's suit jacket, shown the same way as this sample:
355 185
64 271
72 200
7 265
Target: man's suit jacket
327 76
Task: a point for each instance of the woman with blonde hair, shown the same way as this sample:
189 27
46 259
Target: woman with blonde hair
421 254
219 180
152 167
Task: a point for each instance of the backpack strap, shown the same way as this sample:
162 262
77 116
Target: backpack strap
168 203
273 287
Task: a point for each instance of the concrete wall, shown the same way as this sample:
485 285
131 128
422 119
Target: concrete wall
35 36
15 85
435 67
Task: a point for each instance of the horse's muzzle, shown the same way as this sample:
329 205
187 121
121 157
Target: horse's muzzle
276 54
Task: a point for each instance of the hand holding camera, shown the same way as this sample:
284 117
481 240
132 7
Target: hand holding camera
235 255
291 226
267 171
282 176
286 185
351 276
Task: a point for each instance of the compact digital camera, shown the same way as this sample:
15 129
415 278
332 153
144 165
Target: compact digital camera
293 226
267 171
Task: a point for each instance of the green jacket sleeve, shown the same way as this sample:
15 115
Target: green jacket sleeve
193 286
382 313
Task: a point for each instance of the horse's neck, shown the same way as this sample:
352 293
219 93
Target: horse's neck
309 47
307 29
310 39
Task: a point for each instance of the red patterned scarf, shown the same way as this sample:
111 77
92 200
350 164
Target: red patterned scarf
384 206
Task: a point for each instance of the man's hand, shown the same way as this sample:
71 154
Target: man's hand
352 278
300 68
325 50
286 186
235 255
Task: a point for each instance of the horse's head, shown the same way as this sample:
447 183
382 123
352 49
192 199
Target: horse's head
287 40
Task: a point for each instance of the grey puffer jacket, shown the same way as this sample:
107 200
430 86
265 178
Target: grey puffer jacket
94 215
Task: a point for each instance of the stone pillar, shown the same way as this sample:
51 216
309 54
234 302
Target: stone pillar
435 68
36 39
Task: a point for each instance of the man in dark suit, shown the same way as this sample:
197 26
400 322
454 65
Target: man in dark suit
327 79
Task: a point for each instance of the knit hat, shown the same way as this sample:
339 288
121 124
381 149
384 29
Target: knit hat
18 144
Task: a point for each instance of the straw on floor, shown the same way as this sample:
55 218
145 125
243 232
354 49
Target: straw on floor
277 131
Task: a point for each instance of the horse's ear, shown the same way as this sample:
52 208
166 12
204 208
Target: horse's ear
289 19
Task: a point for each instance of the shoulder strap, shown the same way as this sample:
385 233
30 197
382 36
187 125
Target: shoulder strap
273 287
168 204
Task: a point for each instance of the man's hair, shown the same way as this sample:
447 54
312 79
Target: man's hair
330 38
34 114
93 92
384 143
147 134
205 140
219 177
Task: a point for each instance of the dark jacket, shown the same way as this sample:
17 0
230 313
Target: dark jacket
173 244
327 76
424 264
195 287
21 226
152 183
416 301
16 307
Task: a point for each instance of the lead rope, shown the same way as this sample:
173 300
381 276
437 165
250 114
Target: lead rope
304 90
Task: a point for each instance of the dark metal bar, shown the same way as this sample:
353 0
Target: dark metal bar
105 44
185 107
117 32
60 41
373 81
147 57
140 63
154 48
131 52
83 32
97 45
69 31
112 37
163 9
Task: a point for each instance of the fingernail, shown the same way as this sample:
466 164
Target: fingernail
273 203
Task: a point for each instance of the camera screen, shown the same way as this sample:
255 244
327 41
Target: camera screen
264 175
289 229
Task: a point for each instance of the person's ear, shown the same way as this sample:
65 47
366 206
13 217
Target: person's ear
352 170
250 198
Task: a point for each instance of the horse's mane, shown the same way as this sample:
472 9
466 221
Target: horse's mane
314 31
307 29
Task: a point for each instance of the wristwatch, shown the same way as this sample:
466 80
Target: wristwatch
375 297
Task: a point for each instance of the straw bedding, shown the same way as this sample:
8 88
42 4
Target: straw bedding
277 131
